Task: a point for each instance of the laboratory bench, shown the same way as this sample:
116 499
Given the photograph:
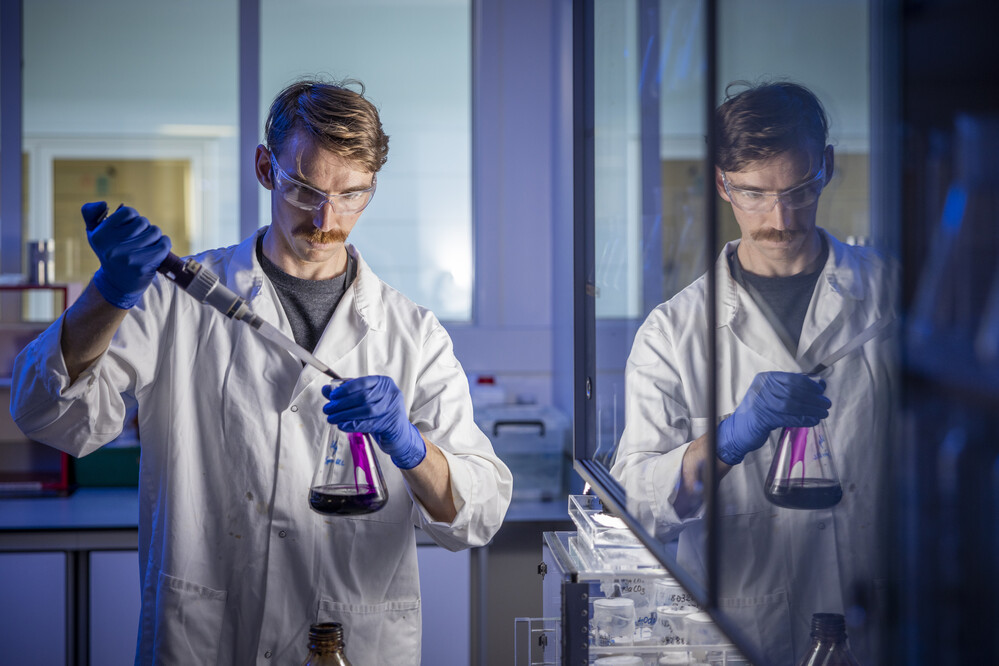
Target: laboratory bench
64 558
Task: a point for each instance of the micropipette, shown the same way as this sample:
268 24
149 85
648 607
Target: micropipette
862 338
205 287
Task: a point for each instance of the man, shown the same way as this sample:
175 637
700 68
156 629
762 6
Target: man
235 566
788 295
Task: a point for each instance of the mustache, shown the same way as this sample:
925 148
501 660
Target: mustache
779 235
321 237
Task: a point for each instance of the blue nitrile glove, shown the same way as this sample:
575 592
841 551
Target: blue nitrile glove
774 400
374 405
130 250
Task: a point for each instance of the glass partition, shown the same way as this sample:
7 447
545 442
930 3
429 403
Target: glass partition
681 365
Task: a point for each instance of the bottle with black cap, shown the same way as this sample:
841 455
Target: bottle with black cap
829 645
326 645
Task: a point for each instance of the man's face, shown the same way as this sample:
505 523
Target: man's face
308 243
782 233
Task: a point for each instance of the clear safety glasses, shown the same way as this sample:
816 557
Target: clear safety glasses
306 197
799 196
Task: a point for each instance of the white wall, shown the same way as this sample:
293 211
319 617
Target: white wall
523 208
413 60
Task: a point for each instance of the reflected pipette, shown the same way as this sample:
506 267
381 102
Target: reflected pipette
861 339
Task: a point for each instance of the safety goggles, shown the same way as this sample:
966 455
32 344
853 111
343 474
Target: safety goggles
799 196
306 197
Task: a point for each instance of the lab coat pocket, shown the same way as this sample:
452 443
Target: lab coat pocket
384 633
188 622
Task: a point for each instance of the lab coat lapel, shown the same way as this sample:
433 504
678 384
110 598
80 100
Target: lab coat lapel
360 311
255 358
246 274
344 332
827 323
747 322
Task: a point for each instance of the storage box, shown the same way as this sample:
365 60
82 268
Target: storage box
605 539
108 466
117 462
28 468
533 442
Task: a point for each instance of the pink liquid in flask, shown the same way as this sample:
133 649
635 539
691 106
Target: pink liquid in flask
801 475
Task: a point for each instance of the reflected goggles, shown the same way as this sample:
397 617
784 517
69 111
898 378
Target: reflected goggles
306 197
799 196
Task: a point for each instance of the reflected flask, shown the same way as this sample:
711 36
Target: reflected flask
802 475
326 645
348 480
829 645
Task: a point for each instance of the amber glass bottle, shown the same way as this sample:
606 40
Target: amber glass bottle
326 645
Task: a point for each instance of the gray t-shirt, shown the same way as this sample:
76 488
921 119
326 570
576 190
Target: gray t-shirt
784 300
308 304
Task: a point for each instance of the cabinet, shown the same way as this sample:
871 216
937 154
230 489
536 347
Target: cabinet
33 608
115 600
445 596
34 612
63 561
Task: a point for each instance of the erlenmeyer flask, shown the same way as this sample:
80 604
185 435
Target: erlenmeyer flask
348 479
802 475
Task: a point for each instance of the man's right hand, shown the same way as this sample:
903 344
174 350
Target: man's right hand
774 400
130 250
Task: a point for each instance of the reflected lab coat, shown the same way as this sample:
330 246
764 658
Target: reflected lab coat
235 565
777 566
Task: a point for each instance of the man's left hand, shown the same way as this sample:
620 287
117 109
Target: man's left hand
375 405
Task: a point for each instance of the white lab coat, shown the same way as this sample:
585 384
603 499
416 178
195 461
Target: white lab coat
777 566
235 565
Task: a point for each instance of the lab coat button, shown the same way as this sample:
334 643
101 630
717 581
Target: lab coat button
822 526
267 655
294 408
282 534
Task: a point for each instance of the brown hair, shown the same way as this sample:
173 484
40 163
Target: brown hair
336 117
766 120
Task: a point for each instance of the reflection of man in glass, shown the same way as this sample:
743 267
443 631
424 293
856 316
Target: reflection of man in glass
788 295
